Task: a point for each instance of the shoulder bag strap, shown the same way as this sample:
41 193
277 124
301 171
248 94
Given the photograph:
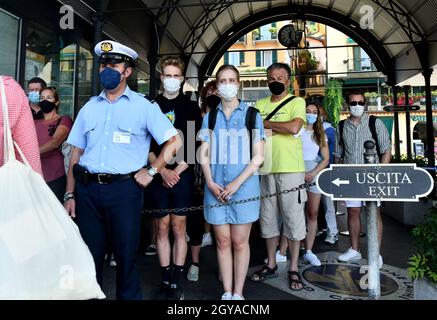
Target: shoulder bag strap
279 108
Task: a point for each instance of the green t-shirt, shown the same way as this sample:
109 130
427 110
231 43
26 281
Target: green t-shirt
283 153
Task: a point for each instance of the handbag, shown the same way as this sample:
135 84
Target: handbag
42 254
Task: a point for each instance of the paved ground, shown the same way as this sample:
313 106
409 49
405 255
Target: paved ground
396 249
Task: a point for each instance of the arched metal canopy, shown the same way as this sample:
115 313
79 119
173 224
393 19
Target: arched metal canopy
202 30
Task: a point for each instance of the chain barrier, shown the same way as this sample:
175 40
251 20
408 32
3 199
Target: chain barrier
230 203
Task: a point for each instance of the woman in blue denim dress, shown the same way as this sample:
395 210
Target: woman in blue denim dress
231 175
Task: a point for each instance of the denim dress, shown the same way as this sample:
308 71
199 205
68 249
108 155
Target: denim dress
230 155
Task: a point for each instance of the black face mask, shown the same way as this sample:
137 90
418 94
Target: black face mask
47 106
276 88
212 101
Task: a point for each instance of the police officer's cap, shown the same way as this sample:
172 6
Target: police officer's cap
114 52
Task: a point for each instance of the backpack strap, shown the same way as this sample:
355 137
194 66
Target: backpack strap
341 141
250 125
279 107
372 126
212 117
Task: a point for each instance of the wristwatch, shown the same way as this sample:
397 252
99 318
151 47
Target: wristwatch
151 170
68 196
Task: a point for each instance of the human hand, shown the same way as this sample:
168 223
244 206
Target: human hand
309 177
143 178
70 207
216 190
170 178
229 191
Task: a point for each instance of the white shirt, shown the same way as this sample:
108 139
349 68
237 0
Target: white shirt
309 146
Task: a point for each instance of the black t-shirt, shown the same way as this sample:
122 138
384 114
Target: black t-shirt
180 111
37 115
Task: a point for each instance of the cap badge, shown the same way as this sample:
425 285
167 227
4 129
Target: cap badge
106 47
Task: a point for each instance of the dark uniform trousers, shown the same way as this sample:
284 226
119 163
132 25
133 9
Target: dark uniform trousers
112 212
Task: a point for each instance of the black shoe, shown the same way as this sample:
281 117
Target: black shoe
175 293
163 291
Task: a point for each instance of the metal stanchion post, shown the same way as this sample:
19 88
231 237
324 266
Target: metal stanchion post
372 233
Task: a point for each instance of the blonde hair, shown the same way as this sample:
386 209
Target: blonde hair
172 61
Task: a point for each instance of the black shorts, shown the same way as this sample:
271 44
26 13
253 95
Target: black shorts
180 196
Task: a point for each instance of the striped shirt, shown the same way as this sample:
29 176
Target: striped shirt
21 123
354 137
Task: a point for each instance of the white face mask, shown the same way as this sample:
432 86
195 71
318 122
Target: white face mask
172 85
357 111
228 91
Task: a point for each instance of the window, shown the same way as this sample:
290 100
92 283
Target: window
266 32
266 58
362 61
9 50
234 58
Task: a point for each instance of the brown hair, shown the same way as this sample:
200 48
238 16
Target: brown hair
172 61
354 92
319 131
55 95
227 67
211 85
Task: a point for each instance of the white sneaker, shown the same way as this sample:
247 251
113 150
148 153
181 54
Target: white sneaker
227 296
193 273
206 239
112 262
237 297
331 238
279 258
310 257
380 262
349 255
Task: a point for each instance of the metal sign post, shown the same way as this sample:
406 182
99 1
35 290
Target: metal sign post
371 182
374 286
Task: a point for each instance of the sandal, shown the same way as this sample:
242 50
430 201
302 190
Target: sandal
292 282
265 273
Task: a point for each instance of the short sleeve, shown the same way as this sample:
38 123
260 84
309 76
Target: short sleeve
259 127
204 133
383 136
66 121
77 137
158 125
297 109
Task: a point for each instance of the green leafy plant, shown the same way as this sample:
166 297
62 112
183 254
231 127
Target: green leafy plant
334 101
256 34
419 160
273 32
423 265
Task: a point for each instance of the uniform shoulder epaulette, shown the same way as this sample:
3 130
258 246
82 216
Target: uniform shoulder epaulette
150 99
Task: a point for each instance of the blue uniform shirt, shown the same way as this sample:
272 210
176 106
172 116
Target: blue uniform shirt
229 157
116 136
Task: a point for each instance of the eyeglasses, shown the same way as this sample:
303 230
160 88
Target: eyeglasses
354 103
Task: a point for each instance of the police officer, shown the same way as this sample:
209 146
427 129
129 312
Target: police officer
111 138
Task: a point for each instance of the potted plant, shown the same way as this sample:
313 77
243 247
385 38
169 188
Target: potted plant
423 265
255 35
273 31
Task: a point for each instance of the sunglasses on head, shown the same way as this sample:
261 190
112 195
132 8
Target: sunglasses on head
354 103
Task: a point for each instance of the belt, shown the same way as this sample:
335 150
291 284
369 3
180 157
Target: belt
106 178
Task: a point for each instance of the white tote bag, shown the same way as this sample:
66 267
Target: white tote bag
42 254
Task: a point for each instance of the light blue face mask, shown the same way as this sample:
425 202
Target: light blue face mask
311 118
34 97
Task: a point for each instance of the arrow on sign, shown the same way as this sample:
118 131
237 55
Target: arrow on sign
339 182
387 182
